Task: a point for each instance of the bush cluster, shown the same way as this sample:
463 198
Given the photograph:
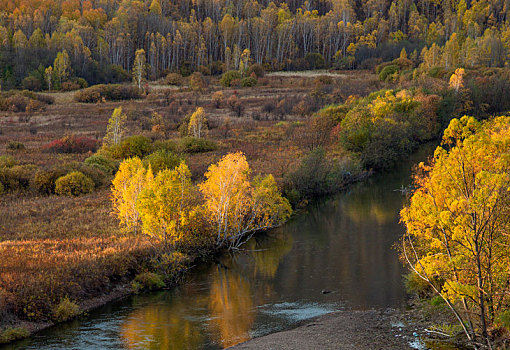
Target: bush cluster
74 184
162 159
248 82
15 177
389 72
71 144
174 79
228 77
23 101
146 281
70 86
44 181
196 145
318 175
110 92
13 333
102 163
256 69
66 310
132 146
385 126
15 146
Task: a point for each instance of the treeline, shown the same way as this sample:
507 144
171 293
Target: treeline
99 38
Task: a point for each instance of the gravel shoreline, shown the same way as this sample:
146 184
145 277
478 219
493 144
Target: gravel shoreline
348 329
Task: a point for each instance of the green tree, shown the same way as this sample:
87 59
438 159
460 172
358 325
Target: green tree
62 66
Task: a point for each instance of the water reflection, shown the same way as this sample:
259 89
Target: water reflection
217 307
160 325
343 244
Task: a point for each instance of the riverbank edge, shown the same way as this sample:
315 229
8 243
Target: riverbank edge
347 329
124 289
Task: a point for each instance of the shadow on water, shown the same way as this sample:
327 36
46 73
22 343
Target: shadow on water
343 245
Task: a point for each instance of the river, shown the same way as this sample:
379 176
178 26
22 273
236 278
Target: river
338 254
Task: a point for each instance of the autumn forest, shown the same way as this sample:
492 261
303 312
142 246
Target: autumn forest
143 140
101 37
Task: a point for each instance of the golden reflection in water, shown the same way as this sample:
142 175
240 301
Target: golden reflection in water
365 206
230 301
161 326
231 306
267 256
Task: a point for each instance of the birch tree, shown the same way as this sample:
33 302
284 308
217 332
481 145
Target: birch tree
116 128
139 68
197 123
236 208
458 220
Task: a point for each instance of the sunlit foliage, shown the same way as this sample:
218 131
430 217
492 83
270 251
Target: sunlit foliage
169 209
164 204
197 123
458 222
116 128
237 207
386 126
127 185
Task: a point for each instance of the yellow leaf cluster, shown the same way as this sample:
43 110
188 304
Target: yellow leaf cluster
458 221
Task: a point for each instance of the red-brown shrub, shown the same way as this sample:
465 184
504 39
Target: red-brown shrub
71 144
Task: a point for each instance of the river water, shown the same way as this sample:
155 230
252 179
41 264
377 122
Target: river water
340 253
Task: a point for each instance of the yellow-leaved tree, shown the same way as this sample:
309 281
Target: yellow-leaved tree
127 185
235 207
165 204
458 223
116 128
197 123
457 79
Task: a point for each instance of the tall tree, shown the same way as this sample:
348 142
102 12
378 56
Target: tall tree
236 208
62 66
48 76
139 68
197 123
116 128
129 181
458 220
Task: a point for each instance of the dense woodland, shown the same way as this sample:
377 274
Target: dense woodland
100 38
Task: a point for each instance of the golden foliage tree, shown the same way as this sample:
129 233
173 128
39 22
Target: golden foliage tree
48 76
457 79
165 204
235 207
139 68
116 128
458 220
127 185
197 123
